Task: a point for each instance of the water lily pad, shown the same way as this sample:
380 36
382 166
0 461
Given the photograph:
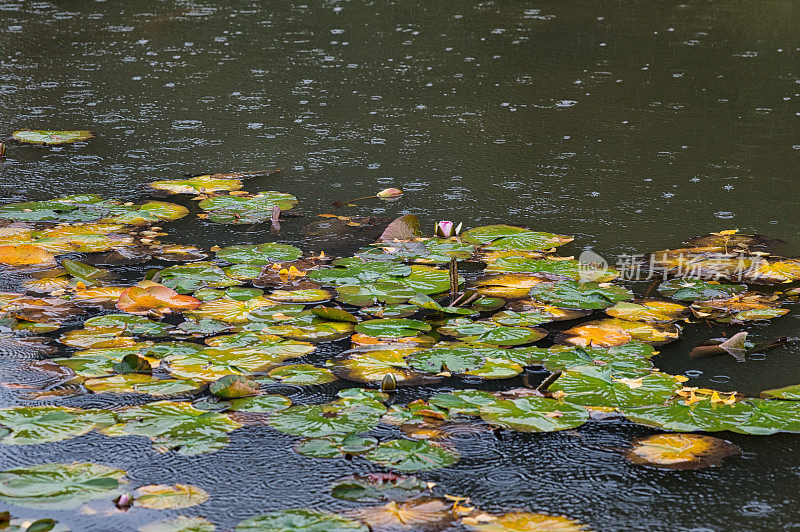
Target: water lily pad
129 325
571 269
356 271
316 421
392 328
233 387
364 295
648 310
335 446
689 289
409 455
378 488
162 497
261 254
631 359
769 417
508 285
465 402
246 209
681 451
308 296
260 404
302 374
749 306
59 486
573 294
179 524
334 314
234 311
145 384
791 393
533 414
305 326
530 318
615 332
51 137
456 360
372 363
390 311
594 386
522 522
703 415
42 424
188 278
300 520
154 297
417 514
175 426
201 184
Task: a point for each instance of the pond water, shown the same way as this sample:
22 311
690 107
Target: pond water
630 125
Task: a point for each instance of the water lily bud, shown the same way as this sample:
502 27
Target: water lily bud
124 501
389 383
446 229
390 193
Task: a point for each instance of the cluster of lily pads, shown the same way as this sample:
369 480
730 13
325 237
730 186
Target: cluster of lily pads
210 334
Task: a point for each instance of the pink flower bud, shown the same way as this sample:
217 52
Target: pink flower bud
390 193
446 229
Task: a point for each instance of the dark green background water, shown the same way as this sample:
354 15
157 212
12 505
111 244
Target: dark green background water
631 125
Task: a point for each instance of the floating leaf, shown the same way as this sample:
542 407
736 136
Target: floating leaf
769 417
593 386
338 417
246 209
334 314
188 278
261 254
335 446
306 326
791 393
179 524
42 424
233 387
648 310
409 455
615 332
154 297
456 360
136 383
371 363
390 311
702 415
571 269
418 514
631 359
573 294
490 233
356 271
405 227
749 306
681 451
161 497
308 296
260 404
378 488
508 285
302 374
689 289
175 426
201 184
388 292
300 520
522 522
229 310
24 255
392 328
132 363
533 414
59 486
49 137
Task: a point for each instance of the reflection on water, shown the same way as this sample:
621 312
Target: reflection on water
631 125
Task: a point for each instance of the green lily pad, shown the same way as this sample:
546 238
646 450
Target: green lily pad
378 488
59 486
390 311
260 404
300 520
648 310
145 384
49 137
243 272
248 209
529 241
316 421
769 417
594 386
356 271
238 293
533 414
364 295
790 393
333 314
530 318
335 446
302 374
409 455
129 324
228 358
489 233
571 269
234 311
631 359
428 303
690 289
175 426
188 278
392 328
463 402
261 254
574 294
306 327
307 296
163 497
456 360
42 424
702 415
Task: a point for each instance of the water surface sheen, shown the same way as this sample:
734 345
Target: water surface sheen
631 125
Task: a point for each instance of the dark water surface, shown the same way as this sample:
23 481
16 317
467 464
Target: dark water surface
630 125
